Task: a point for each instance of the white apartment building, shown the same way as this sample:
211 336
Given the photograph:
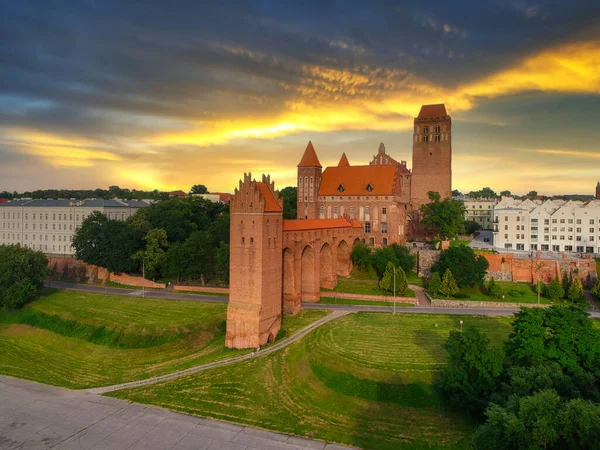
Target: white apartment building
553 225
480 210
49 225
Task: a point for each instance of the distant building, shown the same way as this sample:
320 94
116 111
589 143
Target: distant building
3 200
553 225
598 191
49 225
215 197
480 210
179 194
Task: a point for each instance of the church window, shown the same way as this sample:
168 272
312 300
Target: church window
322 212
384 227
335 212
352 212
383 211
367 227
341 188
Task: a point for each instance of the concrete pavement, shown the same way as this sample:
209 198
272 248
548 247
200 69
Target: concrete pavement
36 416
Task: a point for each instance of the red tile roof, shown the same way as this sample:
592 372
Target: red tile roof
178 193
223 196
271 204
429 111
309 159
344 161
355 180
316 224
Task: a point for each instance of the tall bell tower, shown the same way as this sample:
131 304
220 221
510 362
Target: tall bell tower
432 154
309 182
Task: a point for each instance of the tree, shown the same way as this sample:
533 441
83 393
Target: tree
468 268
596 289
446 217
177 217
222 261
471 226
494 290
532 194
554 290
473 370
175 263
505 194
362 257
22 274
576 290
387 280
448 286
397 255
486 192
566 284
562 334
199 254
456 193
435 283
153 255
198 189
290 202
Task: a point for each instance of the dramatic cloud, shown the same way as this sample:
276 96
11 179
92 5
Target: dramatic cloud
170 95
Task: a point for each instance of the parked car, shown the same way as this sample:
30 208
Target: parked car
486 239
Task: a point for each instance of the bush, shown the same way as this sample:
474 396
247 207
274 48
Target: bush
467 268
461 295
494 290
22 275
596 289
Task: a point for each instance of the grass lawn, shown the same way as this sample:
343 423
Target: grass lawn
79 340
114 284
364 287
217 294
346 301
513 293
364 380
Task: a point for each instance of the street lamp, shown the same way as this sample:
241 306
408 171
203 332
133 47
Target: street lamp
394 290
461 323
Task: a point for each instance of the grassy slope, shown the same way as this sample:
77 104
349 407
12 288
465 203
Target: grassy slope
346 301
514 293
60 349
365 287
363 380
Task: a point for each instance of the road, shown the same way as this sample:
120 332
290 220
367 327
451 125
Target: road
332 307
479 243
36 416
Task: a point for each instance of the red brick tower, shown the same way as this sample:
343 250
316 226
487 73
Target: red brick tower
432 154
309 181
256 231
598 191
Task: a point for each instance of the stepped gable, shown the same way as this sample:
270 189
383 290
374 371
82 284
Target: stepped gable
309 159
260 196
344 161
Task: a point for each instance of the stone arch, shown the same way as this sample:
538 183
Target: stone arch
291 297
309 276
344 263
327 273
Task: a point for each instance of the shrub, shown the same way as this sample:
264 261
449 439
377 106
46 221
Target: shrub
22 275
494 290
448 286
596 289
436 281
554 290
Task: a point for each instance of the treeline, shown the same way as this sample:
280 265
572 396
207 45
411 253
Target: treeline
175 238
82 194
540 389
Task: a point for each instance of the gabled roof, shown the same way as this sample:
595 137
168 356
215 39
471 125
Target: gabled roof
355 180
271 204
316 224
430 111
344 161
309 159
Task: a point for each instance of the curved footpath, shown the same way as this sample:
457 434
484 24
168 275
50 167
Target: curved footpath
224 362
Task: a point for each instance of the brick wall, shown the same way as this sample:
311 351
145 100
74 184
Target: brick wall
132 280
215 290
368 297
79 271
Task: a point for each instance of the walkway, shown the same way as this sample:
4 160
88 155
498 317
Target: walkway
226 362
35 416
348 308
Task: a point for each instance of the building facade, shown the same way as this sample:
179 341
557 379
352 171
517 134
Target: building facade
553 225
384 194
480 210
49 225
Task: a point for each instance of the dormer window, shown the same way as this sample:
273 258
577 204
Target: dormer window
341 188
369 187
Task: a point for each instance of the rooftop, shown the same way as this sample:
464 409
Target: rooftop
358 180
309 159
432 111
319 224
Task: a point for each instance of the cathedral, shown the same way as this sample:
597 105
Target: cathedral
277 264
384 196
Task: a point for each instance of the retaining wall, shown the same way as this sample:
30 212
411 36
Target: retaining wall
216 290
378 298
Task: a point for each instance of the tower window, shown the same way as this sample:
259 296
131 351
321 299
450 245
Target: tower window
426 138
437 129
437 138
425 130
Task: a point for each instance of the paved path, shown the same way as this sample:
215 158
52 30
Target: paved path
334 307
226 362
36 416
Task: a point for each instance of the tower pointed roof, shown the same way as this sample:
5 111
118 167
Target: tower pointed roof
309 159
344 161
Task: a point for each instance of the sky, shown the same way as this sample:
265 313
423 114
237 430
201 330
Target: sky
165 95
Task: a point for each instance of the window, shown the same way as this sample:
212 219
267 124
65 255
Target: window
562 220
591 230
384 241
426 138
369 187
322 212
570 220
506 218
384 227
579 230
437 138
425 130
591 221
383 211
553 220
506 227
578 221
367 227
546 221
335 212
518 219
534 221
341 188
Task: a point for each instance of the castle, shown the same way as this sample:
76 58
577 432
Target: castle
276 264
